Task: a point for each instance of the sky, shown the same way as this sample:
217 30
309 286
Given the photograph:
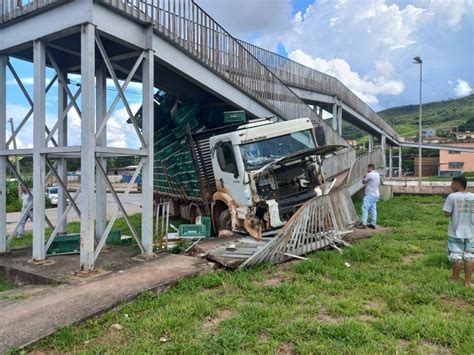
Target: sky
367 44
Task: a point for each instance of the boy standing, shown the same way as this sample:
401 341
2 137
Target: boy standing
460 207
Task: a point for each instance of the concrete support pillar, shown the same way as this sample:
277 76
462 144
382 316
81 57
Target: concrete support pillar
334 117
62 163
371 143
39 116
339 120
101 186
3 159
390 162
87 147
399 161
383 146
147 170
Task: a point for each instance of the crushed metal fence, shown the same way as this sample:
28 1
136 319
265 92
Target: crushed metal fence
321 222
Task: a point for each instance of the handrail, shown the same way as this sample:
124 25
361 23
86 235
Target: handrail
300 76
12 9
189 27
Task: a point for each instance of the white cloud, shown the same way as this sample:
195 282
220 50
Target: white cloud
462 88
367 88
362 33
121 134
248 16
448 14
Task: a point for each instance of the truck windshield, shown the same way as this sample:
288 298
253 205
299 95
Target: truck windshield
258 154
53 191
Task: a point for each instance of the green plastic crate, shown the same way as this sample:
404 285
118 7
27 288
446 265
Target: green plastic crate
182 130
193 231
65 244
235 117
206 221
115 238
168 150
185 114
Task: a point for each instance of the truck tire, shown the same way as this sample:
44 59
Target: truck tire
224 221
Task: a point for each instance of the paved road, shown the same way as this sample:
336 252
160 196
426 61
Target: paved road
132 204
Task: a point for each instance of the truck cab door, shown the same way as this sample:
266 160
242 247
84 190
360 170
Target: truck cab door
229 178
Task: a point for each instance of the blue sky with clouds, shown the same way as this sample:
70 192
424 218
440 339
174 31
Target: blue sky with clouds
367 44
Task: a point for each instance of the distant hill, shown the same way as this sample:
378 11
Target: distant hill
440 115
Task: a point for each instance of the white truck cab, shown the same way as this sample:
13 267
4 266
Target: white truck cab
264 172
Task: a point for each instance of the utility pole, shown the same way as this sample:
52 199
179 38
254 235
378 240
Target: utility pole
17 161
417 60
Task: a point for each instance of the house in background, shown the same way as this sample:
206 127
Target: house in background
429 166
452 163
428 132
435 140
460 136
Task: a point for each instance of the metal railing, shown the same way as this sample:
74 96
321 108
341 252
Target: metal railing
300 76
191 29
12 9
359 167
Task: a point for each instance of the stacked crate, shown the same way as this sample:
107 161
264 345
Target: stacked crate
175 172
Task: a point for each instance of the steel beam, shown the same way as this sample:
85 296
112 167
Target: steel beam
62 163
147 171
339 120
390 162
107 230
113 75
121 152
3 159
87 147
399 161
383 145
101 140
39 107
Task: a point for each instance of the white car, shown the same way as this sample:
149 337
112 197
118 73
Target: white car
52 194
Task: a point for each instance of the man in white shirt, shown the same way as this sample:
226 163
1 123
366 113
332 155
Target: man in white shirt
460 207
371 197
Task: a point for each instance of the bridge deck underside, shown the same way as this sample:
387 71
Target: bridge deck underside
66 51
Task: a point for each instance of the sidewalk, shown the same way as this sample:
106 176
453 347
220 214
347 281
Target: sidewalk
26 321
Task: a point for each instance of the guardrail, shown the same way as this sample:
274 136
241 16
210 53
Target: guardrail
300 76
12 9
190 28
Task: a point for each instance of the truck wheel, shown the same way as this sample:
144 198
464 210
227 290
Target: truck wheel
224 221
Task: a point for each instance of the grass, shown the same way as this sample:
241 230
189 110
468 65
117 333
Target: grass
75 227
396 298
6 285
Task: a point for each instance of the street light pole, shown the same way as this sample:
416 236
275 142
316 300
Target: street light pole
417 60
